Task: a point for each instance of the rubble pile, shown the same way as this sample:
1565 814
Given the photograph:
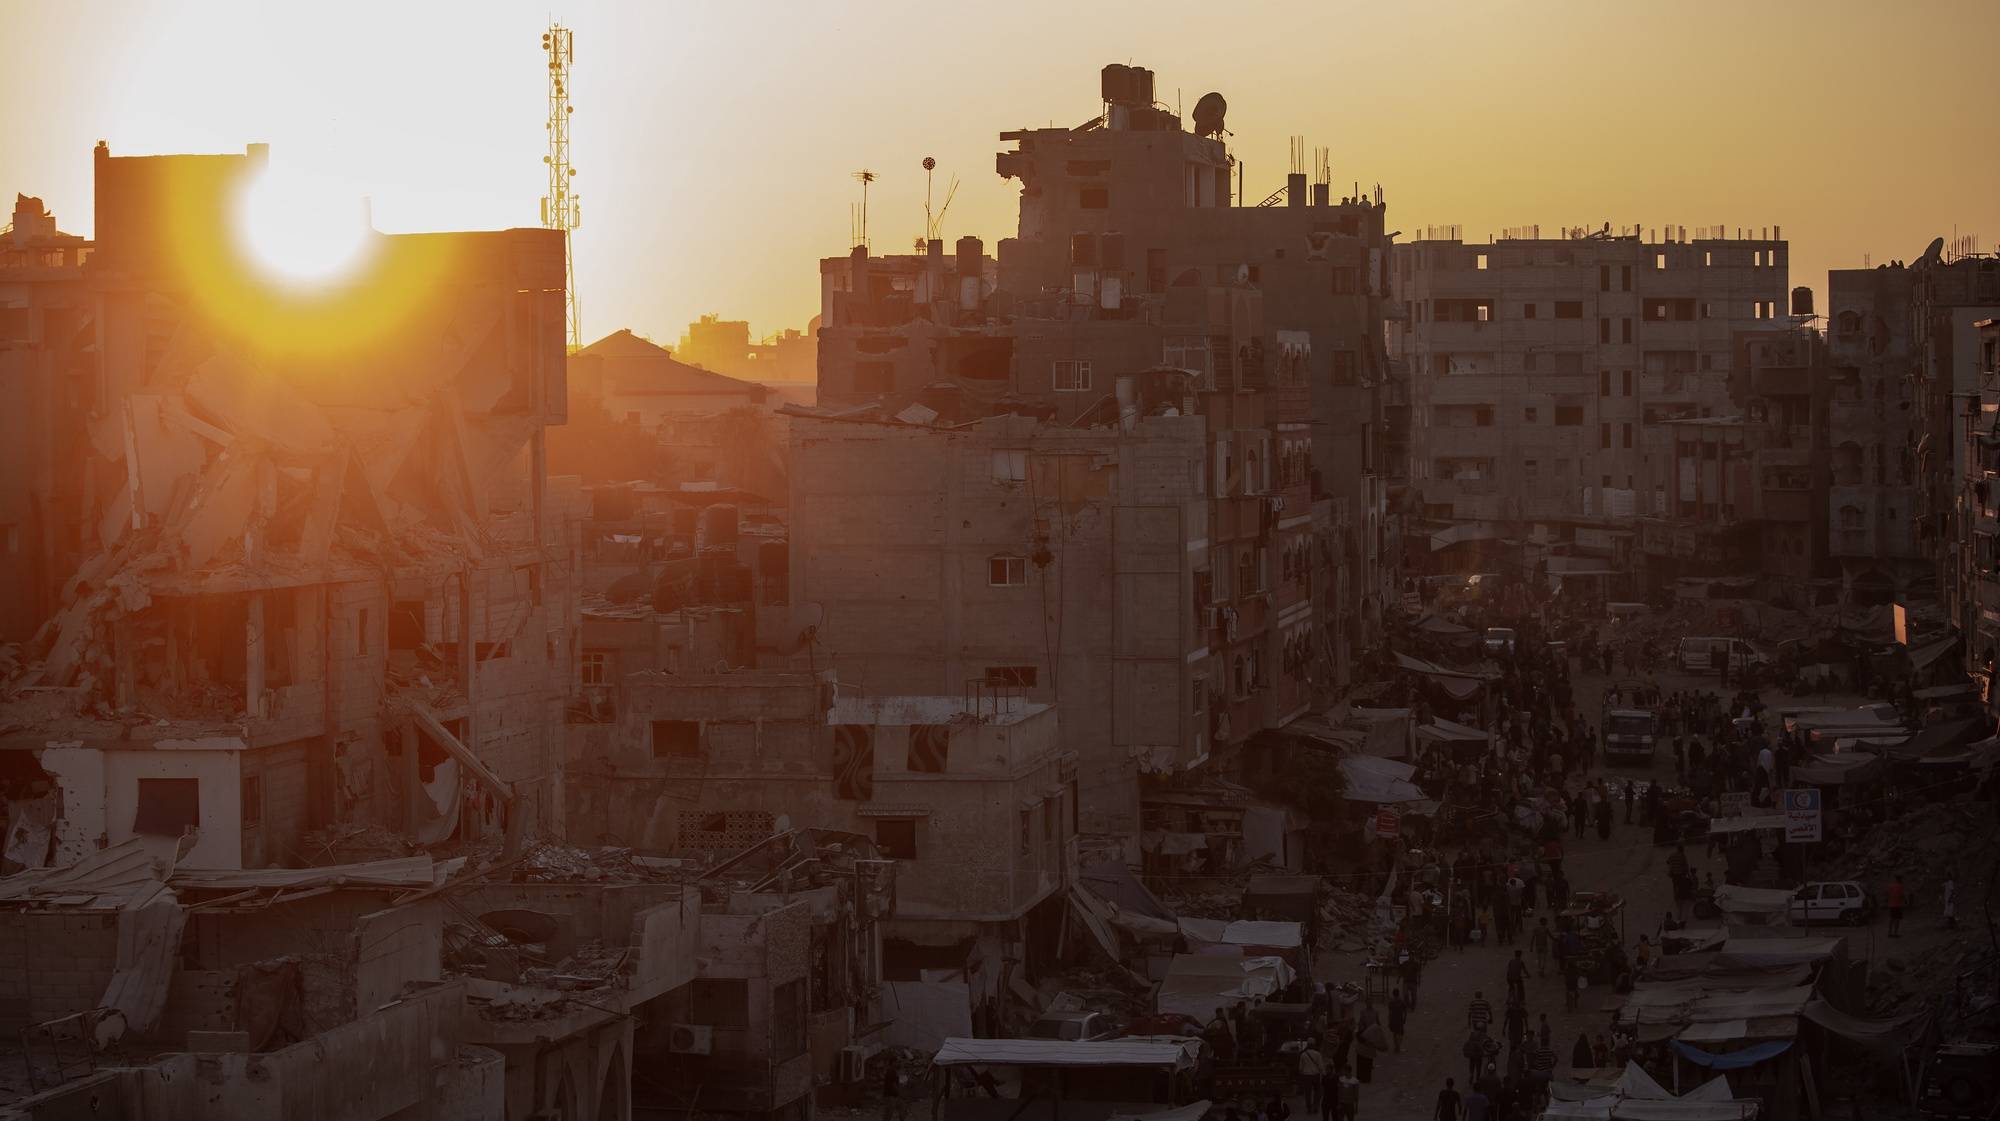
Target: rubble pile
1345 921
354 844
553 863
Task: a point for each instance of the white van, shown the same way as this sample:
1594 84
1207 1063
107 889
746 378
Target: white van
1697 655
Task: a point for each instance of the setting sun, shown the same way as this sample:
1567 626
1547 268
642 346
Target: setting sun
300 229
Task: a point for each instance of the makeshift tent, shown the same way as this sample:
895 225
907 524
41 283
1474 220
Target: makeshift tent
1464 531
1921 657
1383 781
1445 731
1838 769
1890 1035
1148 1052
1114 882
1959 690
1441 627
1952 733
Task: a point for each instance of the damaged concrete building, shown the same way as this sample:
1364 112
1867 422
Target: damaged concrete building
714 763
1156 394
317 583
1543 373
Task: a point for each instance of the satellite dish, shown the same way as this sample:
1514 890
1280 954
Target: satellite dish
1208 114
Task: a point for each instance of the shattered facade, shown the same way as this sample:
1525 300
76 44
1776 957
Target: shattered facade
318 584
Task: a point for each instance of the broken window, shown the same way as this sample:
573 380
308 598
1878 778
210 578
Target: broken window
1604 437
1006 572
1527 311
1625 278
1628 434
1625 329
597 667
1530 414
788 1020
896 837
252 804
1569 309
1343 279
1479 260
168 807
722 1002
1660 261
1010 466
1094 198
930 748
1626 380
1071 375
676 739
1604 278
1603 329
1017 677
1604 383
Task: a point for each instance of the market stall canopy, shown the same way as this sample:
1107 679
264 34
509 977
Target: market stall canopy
1737 899
1921 657
1979 756
1153 1052
1198 984
1890 1035
1732 1060
1446 731
1382 781
1960 690
1746 823
1951 733
1838 769
1468 531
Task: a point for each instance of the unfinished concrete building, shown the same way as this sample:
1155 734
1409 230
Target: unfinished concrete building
318 584
1874 427
1979 543
1543 371
1158 345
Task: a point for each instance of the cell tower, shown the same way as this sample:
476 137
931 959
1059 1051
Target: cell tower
559 207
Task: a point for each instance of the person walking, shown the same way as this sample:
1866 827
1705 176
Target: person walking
1479 1011
1399 1017
1311 1071
1329 1094
1539 942
1631 794
1450 1107
1517 978
1413 976
1895 899
1542 1032
1474 1050
1516 1020
1580 1056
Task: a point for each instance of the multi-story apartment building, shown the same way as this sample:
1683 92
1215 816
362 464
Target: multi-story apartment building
1874 432
1746 490
1543 372
1137 307
1979 502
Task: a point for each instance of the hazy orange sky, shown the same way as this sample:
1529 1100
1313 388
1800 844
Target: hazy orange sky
715 141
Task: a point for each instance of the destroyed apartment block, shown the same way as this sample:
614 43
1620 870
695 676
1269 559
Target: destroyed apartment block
714 763
323 587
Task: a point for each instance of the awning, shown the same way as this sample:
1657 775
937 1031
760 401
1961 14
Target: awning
1952 733
1447 731
1382 781
1731 1060
1963 689
1278 935
1452 535
1921 657
1890 1035
1198 984
1445 628
1838 769
1167 1054
1746 824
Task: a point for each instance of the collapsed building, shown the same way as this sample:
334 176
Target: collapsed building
315 581
1156 394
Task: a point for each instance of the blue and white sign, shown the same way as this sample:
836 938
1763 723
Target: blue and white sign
1801 814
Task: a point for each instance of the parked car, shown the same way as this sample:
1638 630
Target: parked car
1828 901
1073 1026
1961 1082
1499 640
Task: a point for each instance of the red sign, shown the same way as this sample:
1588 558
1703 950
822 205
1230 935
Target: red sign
1388 824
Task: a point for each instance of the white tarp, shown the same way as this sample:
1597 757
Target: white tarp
1384 781
1251 932
1198 984
1738 899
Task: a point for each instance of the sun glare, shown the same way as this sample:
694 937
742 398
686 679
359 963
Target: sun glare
300 230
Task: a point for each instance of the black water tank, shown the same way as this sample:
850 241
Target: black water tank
1119 83
1802 300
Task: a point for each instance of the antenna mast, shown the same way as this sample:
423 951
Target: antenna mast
559 207
864 177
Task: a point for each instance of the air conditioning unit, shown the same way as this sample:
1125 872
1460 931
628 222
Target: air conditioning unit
691 1039
851 1065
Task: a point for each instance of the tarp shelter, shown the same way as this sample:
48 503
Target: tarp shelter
1464 531
1387 730
1169 1054
1282 896
1956 691
1445 731
1732 1060
1979 756
1921 657
1198 984
1442 627
1382 781
1243 932
1633 1094
1114 882
1461 684
1838 769
1951 733
1889 1036
1737 899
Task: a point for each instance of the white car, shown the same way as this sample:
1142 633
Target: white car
1499 640
1832 901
